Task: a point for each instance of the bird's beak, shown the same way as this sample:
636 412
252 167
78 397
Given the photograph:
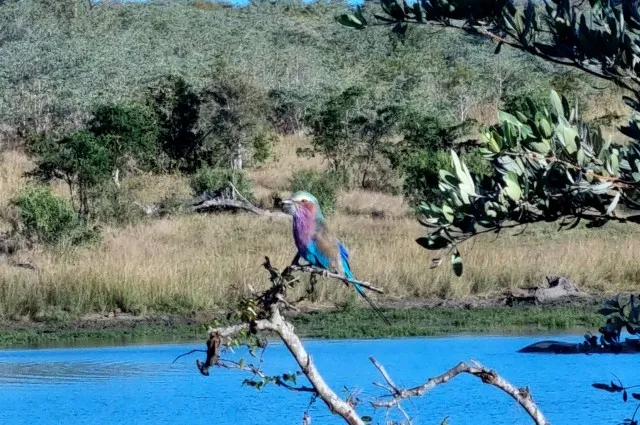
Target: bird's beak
287 205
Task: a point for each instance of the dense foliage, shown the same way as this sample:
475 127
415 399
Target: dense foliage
547 164
49 219
324 185
210 180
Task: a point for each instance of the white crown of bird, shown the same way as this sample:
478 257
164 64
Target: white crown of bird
304 196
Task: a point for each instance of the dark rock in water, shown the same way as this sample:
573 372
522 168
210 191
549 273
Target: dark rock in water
629 346
554 347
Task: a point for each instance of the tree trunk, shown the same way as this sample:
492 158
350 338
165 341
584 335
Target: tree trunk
236 161
335 404
116 177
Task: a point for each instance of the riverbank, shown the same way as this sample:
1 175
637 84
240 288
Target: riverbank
577 316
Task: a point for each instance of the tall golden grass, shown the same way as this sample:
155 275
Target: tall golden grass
194 263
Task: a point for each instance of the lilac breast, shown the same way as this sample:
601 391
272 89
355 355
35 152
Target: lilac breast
303 228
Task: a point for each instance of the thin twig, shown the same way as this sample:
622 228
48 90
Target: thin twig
186 354
324 273
230 364
385 375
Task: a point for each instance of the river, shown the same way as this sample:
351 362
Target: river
138 384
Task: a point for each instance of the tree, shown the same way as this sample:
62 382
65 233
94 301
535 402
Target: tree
176 106
82 160
236 118
352 127
547 165
130 132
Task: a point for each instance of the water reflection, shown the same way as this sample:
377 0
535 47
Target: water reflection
62 372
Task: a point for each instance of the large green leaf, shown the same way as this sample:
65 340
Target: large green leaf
556 104
567 136
467 186
349 20
507 117
512 187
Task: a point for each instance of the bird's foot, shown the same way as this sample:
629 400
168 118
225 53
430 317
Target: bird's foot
325 273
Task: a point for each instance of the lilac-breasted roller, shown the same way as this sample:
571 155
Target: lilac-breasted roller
316 244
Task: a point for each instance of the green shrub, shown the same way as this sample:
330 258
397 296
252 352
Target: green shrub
287 110
421 175
46 218
211 179
235 113
176 106
263 144
82 160
115 206
521 101
324 185
130 132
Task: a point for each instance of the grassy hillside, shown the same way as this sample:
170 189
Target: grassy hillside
56 67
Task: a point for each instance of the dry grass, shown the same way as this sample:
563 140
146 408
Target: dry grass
194 263
275 175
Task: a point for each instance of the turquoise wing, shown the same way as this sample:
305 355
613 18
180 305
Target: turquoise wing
315 257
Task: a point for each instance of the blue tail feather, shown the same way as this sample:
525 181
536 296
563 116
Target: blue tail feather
344 254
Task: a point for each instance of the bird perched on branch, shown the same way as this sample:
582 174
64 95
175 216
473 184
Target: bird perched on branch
316 244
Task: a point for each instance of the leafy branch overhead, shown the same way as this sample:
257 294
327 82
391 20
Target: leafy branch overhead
546 164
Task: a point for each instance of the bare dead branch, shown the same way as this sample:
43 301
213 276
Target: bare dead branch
238 205
284 330
488 376
188 353
324 273
265 317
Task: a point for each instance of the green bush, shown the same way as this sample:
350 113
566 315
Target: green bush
520 102
130 132
324 185
82 160
211 179
176 106
49 219
115 206
421 175
263 144
235 113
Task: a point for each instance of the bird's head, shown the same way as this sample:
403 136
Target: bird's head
302 200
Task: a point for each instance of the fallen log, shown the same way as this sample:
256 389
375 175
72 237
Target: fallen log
559 289
234 204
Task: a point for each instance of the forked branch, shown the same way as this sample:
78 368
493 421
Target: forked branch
488 376
263 316
284 330
316 271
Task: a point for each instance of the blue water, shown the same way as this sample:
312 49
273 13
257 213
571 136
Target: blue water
139 385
